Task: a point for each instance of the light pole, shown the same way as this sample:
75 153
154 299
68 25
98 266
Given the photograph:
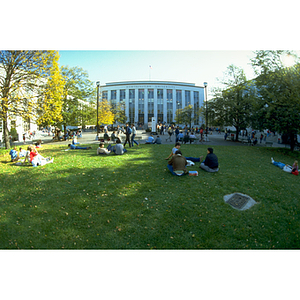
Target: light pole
98 88
205 87
178 103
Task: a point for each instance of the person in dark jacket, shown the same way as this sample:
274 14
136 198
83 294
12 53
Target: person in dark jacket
127 133
211 163
177 164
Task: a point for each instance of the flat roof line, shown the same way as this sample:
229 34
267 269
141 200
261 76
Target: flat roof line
149 83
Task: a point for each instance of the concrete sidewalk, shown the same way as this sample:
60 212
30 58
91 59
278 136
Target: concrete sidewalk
214 139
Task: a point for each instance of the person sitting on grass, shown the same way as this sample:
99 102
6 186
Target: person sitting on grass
192 137
150 140
74 147
180 136
36 159
22 153
38 144
106 137
27 157
113 136
177 164
287 168
75 142
186 138
14 154
157 140
177 147
118 149
211 163
101 150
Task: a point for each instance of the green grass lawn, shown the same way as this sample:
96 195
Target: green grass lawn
85 201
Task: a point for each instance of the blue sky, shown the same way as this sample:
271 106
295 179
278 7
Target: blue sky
229 28
194 66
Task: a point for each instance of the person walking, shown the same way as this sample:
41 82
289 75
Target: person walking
177 133
133 135
127 133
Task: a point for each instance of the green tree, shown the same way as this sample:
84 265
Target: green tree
185 115
77 87
88 114
119 113
233 105
278 93
22 82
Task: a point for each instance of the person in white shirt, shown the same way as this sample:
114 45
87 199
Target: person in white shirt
101 150
133 129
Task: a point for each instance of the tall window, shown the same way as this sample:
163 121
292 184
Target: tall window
150 104
169 106
122 95
187 98
26 125
141 106
13 124
196 107
178 99
131 105
160 106
113 98
104 95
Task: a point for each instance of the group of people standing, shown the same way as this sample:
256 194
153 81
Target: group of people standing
129 131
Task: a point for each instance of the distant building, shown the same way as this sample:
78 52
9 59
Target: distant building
22 126
160 99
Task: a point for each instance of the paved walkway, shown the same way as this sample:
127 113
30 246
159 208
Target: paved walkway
212 140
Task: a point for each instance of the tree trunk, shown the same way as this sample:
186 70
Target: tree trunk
237 128
292 138
5 134
65 128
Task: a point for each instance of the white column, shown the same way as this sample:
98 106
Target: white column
136 105
127 104
174 104
165 104
155 104
146 109
183 98
108 95
118 96
192 103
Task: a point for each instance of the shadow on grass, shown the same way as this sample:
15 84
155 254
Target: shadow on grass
85 201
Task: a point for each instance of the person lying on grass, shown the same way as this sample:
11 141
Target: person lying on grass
177 164
74 147
287 168
177 147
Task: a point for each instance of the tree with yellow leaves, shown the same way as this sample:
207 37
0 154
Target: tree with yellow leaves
22 83
105 114
50 109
